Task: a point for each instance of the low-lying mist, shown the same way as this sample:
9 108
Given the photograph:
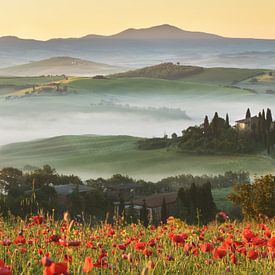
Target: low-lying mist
137 114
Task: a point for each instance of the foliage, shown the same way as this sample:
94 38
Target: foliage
196 204
256 199
164 71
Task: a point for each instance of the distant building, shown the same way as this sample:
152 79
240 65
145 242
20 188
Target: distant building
64 190
247 123
153 204
125 190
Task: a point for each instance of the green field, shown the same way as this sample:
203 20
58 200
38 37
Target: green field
94 156
224 76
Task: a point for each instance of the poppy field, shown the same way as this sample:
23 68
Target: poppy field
44 246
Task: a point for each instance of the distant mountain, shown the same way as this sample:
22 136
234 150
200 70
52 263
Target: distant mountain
136 48
58 66
165 31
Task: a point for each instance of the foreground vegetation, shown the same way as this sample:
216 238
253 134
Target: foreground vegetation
44 245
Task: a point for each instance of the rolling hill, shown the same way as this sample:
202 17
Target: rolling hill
194 74
94 156
60 66
163 71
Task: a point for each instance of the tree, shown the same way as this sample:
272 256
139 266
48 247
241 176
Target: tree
174 136
144 214
132 214
256 199
215 124
10 178
206 123
268 119
227 123
248 114
164 214
121 207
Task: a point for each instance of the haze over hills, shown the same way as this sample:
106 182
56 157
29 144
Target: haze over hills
143 47
59 66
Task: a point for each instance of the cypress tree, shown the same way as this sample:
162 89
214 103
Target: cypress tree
121 207
164 214
248 114
227 124
215 124
206 123
268 119
131 214
144 214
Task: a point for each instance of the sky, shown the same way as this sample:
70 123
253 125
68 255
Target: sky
45 19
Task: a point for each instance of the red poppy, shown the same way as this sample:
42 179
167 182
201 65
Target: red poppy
88 265
4 270
271 242
207 247
219 253
147 252
46 261
56 269
6 242
253 255
20 240
69 243
140 246
234 259
38 219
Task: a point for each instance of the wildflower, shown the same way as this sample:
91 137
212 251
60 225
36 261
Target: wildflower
147 252
219 253
207 247
56 269
271 242
88 265
38 219
4 270
140 246
253 255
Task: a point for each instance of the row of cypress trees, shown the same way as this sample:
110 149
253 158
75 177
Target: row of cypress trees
196 204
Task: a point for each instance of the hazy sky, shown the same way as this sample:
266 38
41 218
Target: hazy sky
45 19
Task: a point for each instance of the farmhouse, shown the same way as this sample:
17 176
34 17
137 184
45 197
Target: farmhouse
153 204
247 123
65 190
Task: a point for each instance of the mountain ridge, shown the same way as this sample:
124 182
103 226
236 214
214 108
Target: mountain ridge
170 31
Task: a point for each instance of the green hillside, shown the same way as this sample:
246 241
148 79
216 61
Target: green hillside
162 71
105 155
149 86
225 76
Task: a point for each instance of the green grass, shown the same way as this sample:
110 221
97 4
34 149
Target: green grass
223 76
149 85
93 156
221 200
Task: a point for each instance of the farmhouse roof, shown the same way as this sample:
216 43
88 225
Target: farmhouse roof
156 200
246 120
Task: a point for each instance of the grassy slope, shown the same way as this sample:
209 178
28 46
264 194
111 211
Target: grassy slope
147 85
106 155
223 76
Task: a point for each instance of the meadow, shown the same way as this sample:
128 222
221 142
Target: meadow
43 245
103 156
